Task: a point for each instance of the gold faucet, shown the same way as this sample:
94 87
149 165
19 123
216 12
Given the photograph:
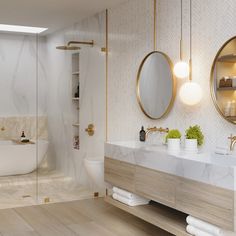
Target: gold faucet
155 129
232 142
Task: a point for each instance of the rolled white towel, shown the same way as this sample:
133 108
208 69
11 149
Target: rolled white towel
126 194
196 232
204 226
128 201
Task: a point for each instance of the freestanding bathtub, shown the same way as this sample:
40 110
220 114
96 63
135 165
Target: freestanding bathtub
17 159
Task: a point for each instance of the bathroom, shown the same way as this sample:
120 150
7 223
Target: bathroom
77 86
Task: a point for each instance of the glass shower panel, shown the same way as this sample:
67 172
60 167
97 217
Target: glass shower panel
18 120
73 95
55 122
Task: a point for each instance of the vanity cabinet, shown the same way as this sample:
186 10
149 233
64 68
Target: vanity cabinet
154 185
119 173
204 201
207 202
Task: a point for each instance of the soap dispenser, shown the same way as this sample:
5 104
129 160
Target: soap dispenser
142 135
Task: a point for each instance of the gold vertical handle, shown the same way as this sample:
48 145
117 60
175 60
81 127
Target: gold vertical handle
90 130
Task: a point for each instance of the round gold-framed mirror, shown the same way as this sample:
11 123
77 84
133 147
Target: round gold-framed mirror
156 85
223 80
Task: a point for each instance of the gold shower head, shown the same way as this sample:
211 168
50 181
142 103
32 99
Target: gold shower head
69 46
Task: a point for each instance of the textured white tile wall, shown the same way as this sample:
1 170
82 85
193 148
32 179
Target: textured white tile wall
131 38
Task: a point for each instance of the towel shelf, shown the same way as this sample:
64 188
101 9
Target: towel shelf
159 215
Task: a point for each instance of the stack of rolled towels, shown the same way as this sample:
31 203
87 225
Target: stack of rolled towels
128 198
198 227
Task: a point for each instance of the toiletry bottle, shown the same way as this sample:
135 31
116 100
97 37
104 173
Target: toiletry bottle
22 136
142 135
227 109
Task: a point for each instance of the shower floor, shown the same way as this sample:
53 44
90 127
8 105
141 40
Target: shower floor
52 187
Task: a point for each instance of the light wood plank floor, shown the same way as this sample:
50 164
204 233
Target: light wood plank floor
92 217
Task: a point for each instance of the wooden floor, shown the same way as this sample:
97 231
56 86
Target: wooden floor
83 218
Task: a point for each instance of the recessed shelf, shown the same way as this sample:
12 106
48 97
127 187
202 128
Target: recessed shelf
161 216
75 76
227 89
231 58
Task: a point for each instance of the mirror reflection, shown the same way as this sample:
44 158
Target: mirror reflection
223 80
155 85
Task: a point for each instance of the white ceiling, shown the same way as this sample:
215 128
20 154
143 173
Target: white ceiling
52 14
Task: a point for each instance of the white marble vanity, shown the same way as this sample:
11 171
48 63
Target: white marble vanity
209 168
202 185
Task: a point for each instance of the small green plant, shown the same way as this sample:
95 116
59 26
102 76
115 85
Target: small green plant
174 133
194 132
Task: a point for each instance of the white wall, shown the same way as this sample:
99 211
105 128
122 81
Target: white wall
18 60
131 38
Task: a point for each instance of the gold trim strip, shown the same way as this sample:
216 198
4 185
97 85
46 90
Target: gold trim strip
107 46
155 26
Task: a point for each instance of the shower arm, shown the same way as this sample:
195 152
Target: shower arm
81 42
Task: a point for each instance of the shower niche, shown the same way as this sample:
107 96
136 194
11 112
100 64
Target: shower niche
75 100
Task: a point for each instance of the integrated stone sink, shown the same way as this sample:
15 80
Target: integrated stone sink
210 168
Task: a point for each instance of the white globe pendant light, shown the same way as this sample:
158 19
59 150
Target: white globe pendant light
190 92
181 68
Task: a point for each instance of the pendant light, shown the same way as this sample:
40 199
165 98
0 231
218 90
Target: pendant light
190 92
181 68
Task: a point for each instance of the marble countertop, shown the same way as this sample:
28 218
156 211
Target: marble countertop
210 168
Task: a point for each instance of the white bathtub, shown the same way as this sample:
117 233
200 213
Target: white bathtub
18 159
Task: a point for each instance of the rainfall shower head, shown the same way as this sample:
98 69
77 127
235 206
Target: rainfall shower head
69 46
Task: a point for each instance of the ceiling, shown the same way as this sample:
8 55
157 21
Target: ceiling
52 14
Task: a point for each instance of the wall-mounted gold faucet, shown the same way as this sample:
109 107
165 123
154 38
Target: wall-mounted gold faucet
232 142
155 129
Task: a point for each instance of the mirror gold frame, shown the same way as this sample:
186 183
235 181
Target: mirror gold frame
213 96
173 87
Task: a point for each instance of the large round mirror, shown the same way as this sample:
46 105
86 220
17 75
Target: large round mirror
223 80
155 85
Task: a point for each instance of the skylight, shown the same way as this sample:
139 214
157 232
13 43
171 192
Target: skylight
21 29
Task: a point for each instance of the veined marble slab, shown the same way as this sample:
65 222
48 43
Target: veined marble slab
217 170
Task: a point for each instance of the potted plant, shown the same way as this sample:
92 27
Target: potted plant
173 140
194 138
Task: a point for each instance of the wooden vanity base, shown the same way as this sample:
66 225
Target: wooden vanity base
207 202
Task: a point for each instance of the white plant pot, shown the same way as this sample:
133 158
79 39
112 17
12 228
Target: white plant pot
173 145
191 145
